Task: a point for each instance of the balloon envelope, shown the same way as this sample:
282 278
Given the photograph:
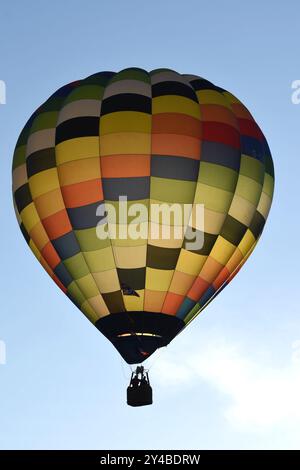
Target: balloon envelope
142 195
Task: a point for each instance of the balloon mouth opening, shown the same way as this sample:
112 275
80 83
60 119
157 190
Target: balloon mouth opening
136 335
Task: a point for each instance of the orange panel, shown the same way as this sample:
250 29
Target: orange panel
153 300
57 224
50 255
175 123
122 166
211 269
221 278
178 145
215 113
172 303
198 289
240 111
181 283
234 260
82 194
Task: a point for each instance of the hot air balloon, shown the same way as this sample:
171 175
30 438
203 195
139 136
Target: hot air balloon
141 139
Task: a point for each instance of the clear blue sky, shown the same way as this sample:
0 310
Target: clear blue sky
232 380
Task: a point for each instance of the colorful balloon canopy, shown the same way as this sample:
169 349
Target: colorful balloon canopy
155 138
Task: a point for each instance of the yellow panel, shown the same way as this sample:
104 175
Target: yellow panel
133 303
234 261
76 149
99 305
131 257
35 250
49 203
39 235
264 205
268 186
43 182
29 216
190 263
107 281
158 279
213 221
222 250
77 171
155 237
125 143
213 198
212 97
175 104
17 212
249 189
233 99
100 260
125 121
87 286
168 213
247 241
242 210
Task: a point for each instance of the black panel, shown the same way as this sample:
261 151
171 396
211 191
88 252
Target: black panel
136 348
221 154
233 230
126 102
209 240
173 88
162 258
84 216
133 278
25 233
202 84
257 224
66 245
77 127
63 274
22 197
179 168
40 161
134 188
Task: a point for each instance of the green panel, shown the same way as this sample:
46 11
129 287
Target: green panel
131 74
76 266
100 261
88 240
171 190
248 189
76 293
218 176
53 104
252 168
44 121
192 313
19 156
85 92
